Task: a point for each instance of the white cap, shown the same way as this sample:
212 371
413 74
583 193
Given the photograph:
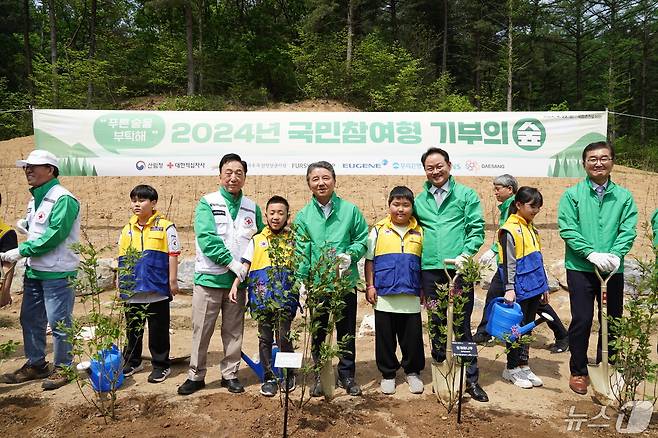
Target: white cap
39 156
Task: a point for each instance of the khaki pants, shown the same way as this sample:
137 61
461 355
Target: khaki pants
207 302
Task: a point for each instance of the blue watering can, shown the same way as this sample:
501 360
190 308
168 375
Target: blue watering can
106 372
257 367
504 319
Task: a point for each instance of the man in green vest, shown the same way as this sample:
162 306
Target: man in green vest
224 222
597 221
53 225
451 216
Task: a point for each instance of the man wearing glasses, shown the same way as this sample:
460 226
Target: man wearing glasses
224 223
597 220
53 225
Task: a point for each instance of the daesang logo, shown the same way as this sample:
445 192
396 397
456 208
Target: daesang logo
471 165
140 165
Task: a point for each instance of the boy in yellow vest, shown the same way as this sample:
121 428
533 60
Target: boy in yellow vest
392 272
271 301
8 240
151 285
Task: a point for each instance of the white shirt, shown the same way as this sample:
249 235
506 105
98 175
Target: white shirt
326 209
440 193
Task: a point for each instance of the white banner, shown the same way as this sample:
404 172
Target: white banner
284 143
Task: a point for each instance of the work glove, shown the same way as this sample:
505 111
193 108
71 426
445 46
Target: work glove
487 257
344 263
238 269
11 256
460 261
613 262
22 226
600 260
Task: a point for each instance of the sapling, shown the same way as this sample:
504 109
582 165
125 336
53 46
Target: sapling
107 323
632 345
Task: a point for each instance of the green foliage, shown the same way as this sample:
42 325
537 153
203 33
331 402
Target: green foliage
74 73
14 121
629 151
381 77
193 103
7 348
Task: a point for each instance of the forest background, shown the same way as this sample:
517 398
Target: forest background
375 55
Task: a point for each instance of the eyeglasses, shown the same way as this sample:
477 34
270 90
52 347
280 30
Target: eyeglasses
603 160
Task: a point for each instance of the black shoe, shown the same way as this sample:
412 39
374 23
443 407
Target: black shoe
269 388
233 385
158 375
316 391
481 338
477 393
350 386
191 386
561 345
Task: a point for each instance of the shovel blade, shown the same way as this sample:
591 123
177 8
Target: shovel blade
445 380
607 386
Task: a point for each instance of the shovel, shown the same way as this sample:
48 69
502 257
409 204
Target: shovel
5 275
445 375
606 382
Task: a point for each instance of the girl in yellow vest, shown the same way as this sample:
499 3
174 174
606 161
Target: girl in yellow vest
392 270
521 269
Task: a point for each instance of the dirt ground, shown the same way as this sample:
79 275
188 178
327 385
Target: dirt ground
155 410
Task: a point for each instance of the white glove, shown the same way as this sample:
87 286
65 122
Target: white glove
344 262
238 269
11 256
22 226
460 260
487 257
613 262
600 260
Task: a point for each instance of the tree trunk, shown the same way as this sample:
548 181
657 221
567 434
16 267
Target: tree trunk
202 11
189 25
643 77
27 49
509 56
350 33
394 18
444 57
92 49
53 51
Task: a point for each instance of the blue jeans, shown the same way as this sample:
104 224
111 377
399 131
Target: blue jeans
46 301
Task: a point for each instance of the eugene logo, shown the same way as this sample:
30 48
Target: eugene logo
529 134
124 130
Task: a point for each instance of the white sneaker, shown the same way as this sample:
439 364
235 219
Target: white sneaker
536 381
387 386
415 383
518 377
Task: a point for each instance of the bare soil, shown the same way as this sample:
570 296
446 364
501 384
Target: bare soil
156 410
